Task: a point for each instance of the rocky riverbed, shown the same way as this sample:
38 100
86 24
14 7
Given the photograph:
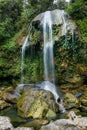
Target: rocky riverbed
31 108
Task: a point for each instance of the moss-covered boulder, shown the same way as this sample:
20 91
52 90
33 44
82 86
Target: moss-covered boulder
71 101
36 104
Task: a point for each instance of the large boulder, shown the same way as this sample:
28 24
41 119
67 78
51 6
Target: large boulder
37 104
71 101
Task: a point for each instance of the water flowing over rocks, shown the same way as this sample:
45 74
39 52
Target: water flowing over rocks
59 17
37 104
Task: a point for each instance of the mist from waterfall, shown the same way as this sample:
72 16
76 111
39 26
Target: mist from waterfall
48 48
23 58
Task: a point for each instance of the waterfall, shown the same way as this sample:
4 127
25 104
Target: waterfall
22 59
64 26
48 59
48 48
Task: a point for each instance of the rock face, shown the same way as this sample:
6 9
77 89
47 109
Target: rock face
5 123
59 17
71 101
62 124
36 104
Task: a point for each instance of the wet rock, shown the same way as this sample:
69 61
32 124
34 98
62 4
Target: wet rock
71 101
62 124
36 103
5 123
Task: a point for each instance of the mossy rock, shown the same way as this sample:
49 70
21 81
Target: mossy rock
36 103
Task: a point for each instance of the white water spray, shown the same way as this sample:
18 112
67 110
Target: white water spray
48 48
22 59
48 59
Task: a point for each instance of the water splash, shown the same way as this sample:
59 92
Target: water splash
48 48
22 59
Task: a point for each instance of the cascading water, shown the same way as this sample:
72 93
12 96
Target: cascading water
48 48
22 59
48 59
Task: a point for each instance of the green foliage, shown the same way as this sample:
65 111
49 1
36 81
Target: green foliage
78 11
33 70
82 23
10 13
